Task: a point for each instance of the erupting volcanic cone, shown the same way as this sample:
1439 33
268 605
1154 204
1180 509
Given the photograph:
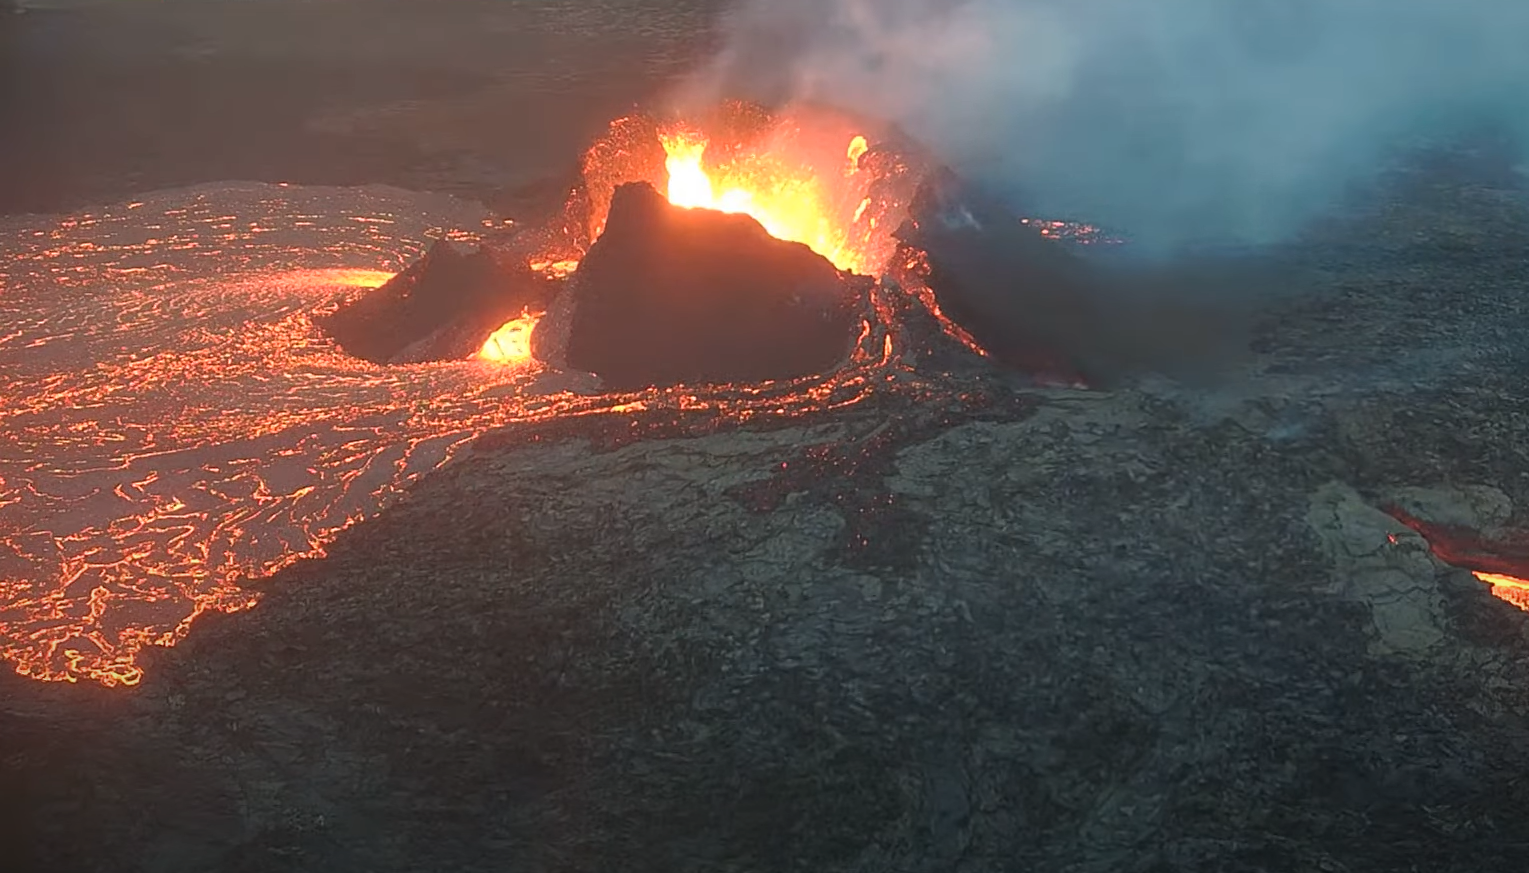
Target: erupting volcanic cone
670 296
441 308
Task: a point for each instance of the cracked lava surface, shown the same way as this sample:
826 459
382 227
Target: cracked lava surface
174 425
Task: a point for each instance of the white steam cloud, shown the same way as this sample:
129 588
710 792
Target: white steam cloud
1175 120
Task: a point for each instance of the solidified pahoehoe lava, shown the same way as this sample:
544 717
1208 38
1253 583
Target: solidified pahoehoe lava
672 296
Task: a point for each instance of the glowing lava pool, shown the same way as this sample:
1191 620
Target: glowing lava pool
173 425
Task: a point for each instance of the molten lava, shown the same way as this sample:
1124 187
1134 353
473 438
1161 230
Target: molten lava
511 343
358 278
689 186
790 199
1509 588
1502 565
555 269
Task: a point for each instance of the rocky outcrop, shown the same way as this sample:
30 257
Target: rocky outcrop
441 308
1037 305
669 296
1384 567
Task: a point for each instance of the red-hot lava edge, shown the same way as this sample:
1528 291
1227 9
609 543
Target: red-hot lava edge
1502 565
175 426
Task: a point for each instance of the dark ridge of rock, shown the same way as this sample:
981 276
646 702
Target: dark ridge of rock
1033 303
1021 297
669 296
441 308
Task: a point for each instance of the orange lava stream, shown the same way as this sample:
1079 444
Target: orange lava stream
511 343
173 426
1509 588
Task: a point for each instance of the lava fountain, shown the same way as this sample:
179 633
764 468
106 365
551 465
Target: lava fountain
788 201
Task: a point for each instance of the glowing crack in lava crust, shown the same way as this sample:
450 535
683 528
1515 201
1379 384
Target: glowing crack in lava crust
173 425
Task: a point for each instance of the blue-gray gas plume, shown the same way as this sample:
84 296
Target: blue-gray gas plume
1177 121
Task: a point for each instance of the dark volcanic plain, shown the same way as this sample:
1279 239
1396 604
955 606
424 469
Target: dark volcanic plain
101 99
1153 628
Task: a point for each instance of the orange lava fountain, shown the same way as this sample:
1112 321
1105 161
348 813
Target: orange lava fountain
789 200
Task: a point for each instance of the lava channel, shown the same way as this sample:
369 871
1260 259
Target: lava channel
1502 565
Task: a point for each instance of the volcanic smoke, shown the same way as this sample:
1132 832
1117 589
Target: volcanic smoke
1171 121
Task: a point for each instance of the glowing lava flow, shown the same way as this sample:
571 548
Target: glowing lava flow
511 343
1508 588
1485 559
172 425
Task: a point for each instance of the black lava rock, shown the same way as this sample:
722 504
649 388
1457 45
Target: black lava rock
441 308
672 296
1025 300
1037 305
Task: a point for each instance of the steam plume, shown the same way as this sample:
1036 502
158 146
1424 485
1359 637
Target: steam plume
1175 120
